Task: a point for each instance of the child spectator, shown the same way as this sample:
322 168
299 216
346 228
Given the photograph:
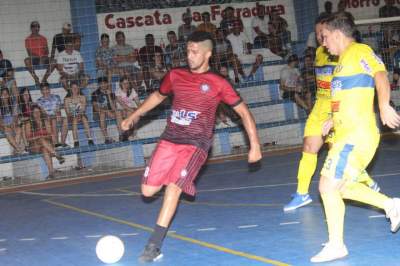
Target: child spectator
5 64
38 133
127 101
25 105
9 123
70 63
104 57
75 107
51 106
103 101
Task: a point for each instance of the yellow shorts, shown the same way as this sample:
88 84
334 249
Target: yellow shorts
319 114
347 161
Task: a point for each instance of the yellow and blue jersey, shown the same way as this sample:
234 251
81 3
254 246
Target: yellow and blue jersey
353 90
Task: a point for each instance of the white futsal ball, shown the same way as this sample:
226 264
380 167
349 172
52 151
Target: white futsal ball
110 249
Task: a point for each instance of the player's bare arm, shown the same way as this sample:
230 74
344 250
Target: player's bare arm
388 114
251 130
152 101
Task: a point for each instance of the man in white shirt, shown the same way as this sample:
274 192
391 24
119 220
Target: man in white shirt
70 63
259 27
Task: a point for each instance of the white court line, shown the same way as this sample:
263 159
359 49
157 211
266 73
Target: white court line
93 236
206 229
129 234
247 187
79 195
247 226
3 240
377 216
288 223
171 232
27 239
59 238
3 249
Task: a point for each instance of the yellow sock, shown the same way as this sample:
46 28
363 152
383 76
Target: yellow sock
334 212
365 178
362 193
307 166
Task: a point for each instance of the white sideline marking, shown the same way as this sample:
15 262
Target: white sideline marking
171 232
93 236
27 239
3 249
59 238
287 223
376 216
3 240
247 226
129 234
206 229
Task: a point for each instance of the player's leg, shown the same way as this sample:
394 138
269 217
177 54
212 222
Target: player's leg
371 183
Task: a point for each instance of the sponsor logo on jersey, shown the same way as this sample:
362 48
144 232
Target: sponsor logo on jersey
204 87
365 66
336 85
335 106
184 117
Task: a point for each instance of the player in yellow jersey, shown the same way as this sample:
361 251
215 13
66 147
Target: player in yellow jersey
313 140
356 137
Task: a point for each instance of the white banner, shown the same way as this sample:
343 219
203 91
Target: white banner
137 23
361 9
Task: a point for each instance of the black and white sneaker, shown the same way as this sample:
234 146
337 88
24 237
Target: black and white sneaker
150 253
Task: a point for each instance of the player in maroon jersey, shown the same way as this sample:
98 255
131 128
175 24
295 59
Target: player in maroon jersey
184 145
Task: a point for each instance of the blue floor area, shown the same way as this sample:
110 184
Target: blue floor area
235 219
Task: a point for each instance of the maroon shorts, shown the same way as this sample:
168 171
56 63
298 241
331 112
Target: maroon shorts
174 163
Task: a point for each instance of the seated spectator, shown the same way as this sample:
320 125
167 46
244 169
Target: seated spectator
127 101
10 83
259 28
124 56
282 31
327 9
38 51
224 111
175 52
5 64
75 107
256 71
9 122
51 106
341 8
25 105
206 25
230 21
308 75
70 64
137 85
274 41
157 72
103 101
186 28
38 133
76 41
146 57
291 84
104 57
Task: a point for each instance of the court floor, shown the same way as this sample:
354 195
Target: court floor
236 219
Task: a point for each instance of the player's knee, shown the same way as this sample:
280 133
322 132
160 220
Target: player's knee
312 145
149 191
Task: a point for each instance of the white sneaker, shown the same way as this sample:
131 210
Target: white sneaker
392 210
330 252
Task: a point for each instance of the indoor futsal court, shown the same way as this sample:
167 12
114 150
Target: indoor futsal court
235 219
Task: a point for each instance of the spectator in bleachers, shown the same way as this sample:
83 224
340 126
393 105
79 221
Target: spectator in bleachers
186 28
103 101
5 64
241 46
76 41
256 72
274 41
146 57
70 64
327 9
281 28
259 28
104 57
291 84
127 101
308 75
10 83
38 133
230 21
157 72
38 51
25 105
175 52
75 108
224 111
51 105
137 85
389 9
9 122
124 56
206 25
341 8
388 45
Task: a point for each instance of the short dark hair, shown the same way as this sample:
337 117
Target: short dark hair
171 32
342 22
104 35
102 79
44 84
200 36
293 58
322 18
119 33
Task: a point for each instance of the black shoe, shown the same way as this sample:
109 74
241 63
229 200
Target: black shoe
60 159
90 142
124 137
57 145
150 253
76 144
108 141
50 176
65 145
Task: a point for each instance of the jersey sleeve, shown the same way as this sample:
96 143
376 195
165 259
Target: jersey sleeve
370 62
229 95
166 84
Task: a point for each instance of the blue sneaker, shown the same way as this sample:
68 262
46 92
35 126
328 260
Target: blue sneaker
375 187
297 202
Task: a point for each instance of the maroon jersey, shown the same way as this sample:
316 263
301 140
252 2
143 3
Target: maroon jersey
195 101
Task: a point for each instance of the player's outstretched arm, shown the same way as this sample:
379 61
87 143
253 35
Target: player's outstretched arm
388 114
251 130
152 101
